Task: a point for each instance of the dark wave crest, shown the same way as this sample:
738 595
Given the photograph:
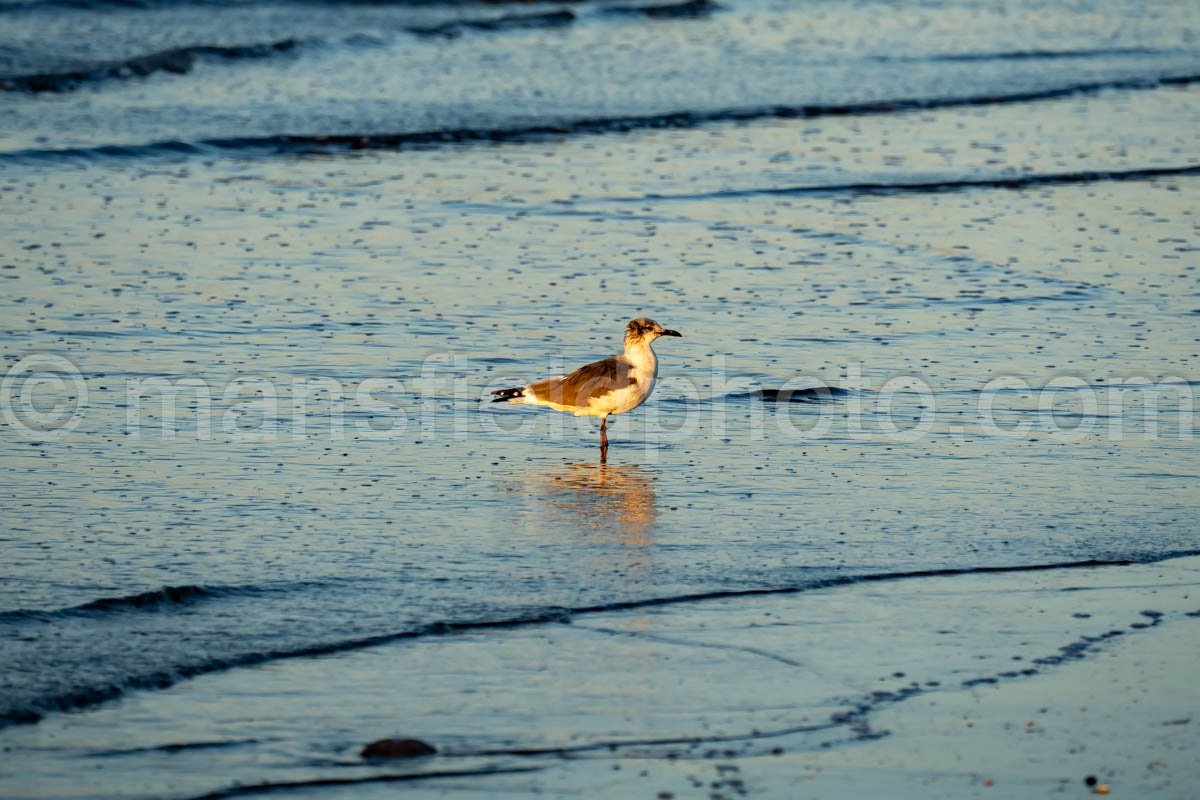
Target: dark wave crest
168 595
153 600
1029 55
24 5
94 695
301 144
178 747
239 790
807 394
689 9
177 61
941 186
455 28
812 394
181 60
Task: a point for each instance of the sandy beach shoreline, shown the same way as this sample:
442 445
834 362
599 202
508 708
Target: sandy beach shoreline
998 685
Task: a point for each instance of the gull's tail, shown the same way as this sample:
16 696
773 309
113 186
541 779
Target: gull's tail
505 395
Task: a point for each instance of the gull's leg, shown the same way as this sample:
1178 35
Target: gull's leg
604 433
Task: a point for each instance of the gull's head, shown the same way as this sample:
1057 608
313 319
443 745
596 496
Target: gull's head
646 330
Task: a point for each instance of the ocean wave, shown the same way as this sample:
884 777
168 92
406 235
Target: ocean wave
806 394
177 61
812 394
34 709
182 60
455 28
26 5
942 186
1030 55
152 600
538 131
688 9
239 790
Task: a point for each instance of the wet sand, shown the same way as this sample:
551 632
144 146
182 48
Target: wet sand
1010 684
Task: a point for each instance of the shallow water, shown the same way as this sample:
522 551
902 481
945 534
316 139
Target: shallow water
334 476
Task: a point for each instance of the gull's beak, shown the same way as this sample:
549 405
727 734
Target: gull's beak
671 333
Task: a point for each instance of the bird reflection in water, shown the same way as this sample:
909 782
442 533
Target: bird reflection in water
610 505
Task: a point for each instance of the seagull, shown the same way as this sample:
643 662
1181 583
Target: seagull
615 385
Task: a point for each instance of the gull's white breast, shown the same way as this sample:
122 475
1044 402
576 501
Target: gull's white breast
627 398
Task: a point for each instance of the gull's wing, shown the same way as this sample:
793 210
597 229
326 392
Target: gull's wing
583 385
